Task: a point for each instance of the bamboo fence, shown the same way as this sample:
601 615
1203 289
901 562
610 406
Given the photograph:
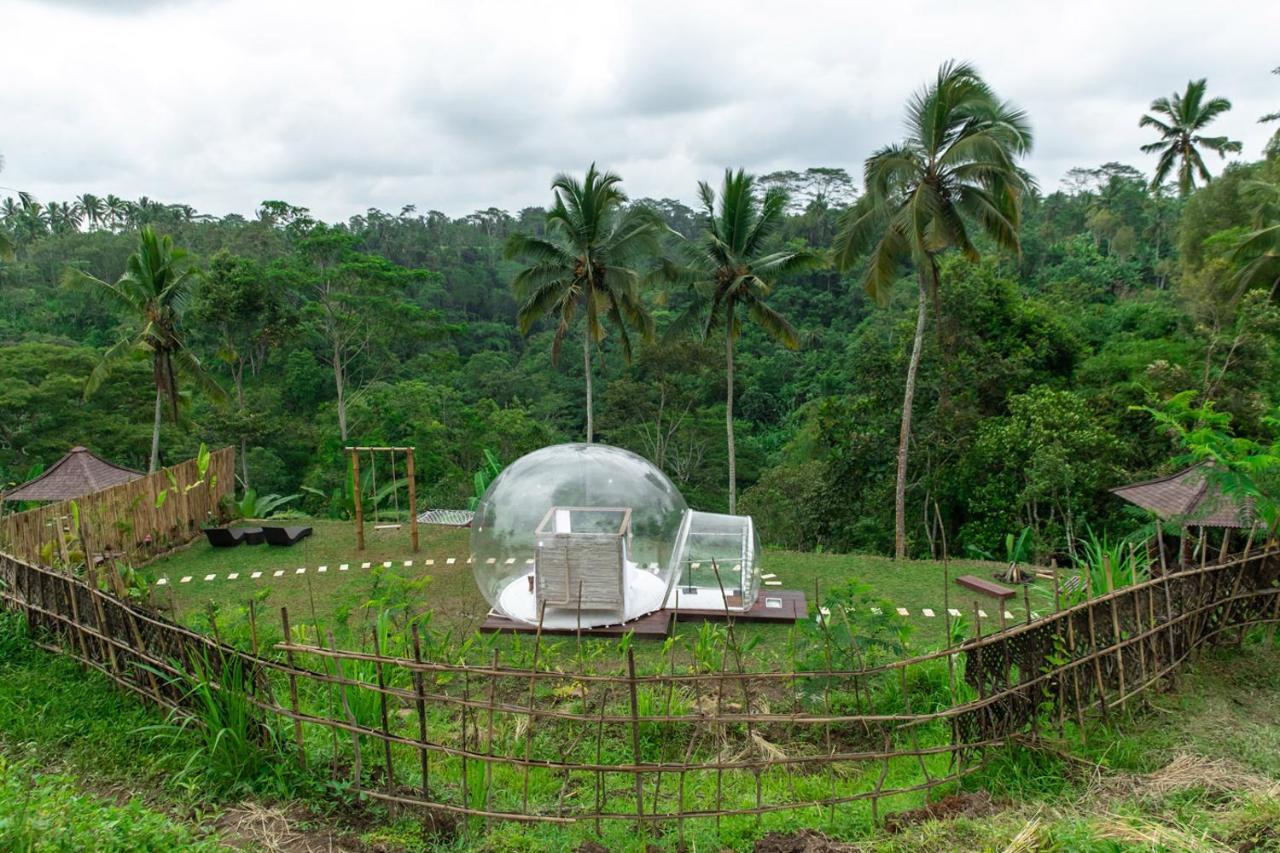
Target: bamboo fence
124 519
672 741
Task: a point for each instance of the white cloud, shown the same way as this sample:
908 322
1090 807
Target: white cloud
455 106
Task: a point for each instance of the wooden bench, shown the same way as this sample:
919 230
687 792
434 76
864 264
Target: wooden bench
991 588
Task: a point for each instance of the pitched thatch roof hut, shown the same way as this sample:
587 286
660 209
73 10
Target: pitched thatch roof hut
75 475
1189 497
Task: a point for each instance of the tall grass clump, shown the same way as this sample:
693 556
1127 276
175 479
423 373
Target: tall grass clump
232 747
1127 560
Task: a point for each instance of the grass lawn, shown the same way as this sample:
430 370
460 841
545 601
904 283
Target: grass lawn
452 594
1195 768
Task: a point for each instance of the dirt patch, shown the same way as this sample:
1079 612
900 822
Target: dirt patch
976 804
804 841
251 826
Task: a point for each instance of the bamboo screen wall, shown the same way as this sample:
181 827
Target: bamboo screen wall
702 738
124 519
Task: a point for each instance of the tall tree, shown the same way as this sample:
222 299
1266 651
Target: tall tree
241 317
730 273
587 262
955 171
1185 116
347 306
154 289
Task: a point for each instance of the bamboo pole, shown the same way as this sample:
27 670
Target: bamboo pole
420 705
293 685
355 493
382 708
635 739
413 499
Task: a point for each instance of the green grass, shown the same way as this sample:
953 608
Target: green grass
81 769
457 604
44 811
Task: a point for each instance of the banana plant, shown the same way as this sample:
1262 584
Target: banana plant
253 505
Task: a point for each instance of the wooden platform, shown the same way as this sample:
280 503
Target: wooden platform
991 588
654 626
792 605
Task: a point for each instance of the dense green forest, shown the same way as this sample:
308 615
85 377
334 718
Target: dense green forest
299 336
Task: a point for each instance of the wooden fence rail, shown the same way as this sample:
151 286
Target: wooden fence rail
671 740
125 519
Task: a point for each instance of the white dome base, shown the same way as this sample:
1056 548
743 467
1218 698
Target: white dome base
645 592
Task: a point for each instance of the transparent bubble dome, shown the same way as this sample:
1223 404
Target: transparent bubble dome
505 540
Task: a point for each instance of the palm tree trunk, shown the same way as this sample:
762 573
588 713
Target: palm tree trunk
155 433
728 418
586 370
904 435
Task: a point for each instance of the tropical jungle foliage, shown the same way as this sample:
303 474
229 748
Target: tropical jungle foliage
1053 323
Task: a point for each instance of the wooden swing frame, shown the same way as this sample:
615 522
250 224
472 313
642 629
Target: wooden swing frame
354 454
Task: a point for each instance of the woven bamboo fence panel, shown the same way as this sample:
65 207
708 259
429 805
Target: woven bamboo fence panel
669 743
124 519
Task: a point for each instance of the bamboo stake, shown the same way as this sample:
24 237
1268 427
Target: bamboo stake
488 765
253 626
1093 652
528 730
420 704
355 492
635 740
382 707
293 685
357 766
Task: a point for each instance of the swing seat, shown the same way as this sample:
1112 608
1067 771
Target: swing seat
387 526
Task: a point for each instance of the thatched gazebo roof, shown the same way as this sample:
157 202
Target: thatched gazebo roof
75 475
1189 497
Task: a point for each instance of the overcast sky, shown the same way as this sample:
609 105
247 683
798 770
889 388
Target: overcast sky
463 105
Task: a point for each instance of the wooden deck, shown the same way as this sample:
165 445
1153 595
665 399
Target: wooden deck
791 605
654 626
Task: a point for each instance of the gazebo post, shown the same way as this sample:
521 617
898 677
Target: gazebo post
1184 537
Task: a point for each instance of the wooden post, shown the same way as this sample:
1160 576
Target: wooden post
355 491
413 499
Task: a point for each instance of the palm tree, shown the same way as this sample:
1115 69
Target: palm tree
92 208
587 262
1272 148
728 269
955 171
117 210
1185 116
8 212
154 289
1258 252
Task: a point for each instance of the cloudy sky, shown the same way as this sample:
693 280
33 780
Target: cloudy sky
457 105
